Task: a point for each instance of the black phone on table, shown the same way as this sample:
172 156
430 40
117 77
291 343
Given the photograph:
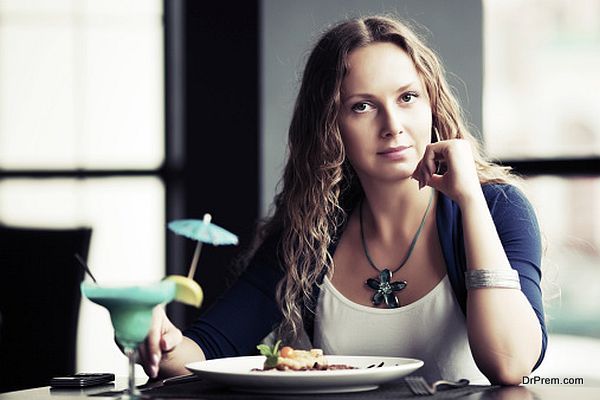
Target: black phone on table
82 380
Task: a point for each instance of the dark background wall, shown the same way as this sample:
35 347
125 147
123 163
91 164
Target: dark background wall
213 155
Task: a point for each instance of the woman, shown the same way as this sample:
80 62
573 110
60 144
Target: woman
391 235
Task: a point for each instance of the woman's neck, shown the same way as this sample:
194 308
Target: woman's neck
391 212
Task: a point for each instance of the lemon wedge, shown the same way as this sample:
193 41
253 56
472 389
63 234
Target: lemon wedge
187 291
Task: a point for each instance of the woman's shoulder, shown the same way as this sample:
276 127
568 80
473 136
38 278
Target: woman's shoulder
268 248
511 210
508 205
506 197
505 191
500 197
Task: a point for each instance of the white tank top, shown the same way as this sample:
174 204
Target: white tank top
432 329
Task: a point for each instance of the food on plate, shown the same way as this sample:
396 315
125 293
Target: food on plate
289 359
298 360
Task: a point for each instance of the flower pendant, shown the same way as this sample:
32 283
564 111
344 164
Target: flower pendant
385 288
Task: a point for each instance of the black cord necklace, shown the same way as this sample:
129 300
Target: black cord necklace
384 287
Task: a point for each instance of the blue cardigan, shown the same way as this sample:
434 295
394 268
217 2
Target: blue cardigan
248 311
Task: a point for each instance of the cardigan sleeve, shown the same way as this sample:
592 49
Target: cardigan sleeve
245 313
519 233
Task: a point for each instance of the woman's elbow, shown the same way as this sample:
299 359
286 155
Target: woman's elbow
507 373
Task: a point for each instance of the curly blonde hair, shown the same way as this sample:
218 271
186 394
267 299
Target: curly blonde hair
319 187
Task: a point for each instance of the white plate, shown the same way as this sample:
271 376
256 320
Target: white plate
236 372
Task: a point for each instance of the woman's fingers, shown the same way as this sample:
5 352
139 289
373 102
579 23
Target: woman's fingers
448 166
428 165
171 338
162 338
144 359
432 153
419 175
155 331
151 348
437 182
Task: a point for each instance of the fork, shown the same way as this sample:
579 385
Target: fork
419 386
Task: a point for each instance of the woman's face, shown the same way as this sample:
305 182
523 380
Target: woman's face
385 117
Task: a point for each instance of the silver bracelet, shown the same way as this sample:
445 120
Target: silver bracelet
492 278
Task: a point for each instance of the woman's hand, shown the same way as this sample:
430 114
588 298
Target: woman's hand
458 178
162 339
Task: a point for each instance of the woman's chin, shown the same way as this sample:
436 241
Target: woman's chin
393 177
399 172
395 173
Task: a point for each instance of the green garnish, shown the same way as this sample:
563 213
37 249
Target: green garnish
272 354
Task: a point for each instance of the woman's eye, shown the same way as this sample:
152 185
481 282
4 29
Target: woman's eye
409 97
361 107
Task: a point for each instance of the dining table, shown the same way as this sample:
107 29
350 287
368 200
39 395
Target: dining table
200 388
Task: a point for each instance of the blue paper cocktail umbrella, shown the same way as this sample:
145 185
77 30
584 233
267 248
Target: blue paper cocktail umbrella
203 231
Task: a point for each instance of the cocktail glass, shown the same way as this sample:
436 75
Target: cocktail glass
130 309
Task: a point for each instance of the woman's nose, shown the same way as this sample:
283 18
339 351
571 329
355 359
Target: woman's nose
391 123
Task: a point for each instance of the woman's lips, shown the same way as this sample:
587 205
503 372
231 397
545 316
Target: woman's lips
394 153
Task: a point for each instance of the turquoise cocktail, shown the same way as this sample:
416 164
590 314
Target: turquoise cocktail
130 309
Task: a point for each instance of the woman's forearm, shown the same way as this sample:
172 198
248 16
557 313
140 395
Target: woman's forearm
504 332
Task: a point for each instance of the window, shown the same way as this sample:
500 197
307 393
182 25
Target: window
542 115
541 86
82 138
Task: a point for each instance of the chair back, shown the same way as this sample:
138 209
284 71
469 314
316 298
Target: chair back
39 303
